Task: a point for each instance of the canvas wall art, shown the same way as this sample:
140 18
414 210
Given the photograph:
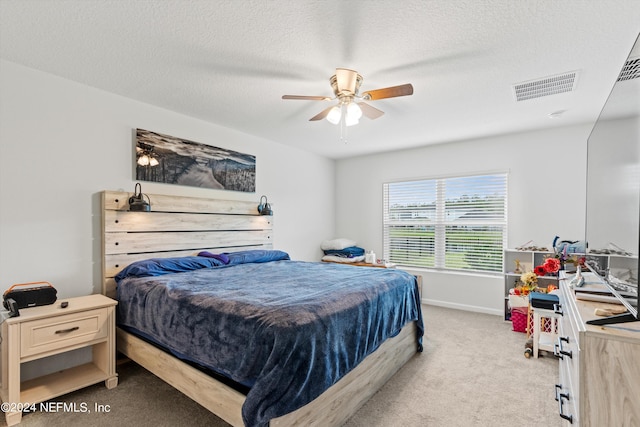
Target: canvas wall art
171 160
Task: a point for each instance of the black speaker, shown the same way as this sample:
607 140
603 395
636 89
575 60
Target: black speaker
30 296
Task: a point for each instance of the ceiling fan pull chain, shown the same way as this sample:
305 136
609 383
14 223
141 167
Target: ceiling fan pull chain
343 126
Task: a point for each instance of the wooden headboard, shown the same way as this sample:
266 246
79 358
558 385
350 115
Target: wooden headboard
176 226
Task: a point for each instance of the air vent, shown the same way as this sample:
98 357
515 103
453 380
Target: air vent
631 70
546 86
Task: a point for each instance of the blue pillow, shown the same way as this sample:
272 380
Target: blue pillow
159 266
256 256
350 252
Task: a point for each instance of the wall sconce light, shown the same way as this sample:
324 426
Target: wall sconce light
264 208
137 202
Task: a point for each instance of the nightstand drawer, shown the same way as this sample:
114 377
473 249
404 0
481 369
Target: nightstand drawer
50 334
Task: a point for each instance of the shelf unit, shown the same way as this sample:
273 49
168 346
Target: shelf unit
528 260
614 262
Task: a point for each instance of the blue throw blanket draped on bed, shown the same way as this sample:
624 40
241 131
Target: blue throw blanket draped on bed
288 329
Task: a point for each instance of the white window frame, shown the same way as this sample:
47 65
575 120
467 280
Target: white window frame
436 223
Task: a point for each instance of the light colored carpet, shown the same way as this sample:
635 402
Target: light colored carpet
472 373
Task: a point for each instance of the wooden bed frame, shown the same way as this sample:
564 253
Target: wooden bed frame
186 225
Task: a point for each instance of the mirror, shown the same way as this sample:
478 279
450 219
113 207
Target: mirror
613 186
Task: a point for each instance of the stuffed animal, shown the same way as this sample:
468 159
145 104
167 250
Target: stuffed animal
569 246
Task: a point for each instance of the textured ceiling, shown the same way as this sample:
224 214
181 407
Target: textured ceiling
229 62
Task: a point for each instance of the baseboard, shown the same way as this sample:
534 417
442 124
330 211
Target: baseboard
464 307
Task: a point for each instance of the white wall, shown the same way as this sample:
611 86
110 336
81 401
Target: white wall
546 198
62 143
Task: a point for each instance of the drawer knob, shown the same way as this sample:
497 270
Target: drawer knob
66 331
560 397
558 351
557 309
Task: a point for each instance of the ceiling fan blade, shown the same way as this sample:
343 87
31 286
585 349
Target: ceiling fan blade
388 92
321 115
346 80
307 98
369 111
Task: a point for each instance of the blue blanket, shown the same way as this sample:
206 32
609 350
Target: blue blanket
287 329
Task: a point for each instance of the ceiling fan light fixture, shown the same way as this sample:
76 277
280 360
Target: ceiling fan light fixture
353 112
144 160
146 157
334 115
350 120
346 88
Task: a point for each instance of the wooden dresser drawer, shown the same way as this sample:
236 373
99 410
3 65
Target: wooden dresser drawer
54 333
567 350
600 381
565 397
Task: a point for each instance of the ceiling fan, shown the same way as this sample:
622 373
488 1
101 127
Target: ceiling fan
346 85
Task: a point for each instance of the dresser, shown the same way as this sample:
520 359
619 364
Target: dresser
599 381
39 332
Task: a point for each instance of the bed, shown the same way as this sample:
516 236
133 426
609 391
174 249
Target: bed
331 387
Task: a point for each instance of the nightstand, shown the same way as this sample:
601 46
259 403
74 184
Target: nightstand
48 330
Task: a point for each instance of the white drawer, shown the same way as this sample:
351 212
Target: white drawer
567 389
54 333
565 396
567 348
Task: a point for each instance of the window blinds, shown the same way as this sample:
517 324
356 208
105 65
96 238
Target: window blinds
456 223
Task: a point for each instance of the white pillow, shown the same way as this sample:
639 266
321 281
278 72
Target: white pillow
336 244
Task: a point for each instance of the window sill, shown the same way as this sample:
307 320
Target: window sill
496 275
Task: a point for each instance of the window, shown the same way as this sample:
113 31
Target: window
455 223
